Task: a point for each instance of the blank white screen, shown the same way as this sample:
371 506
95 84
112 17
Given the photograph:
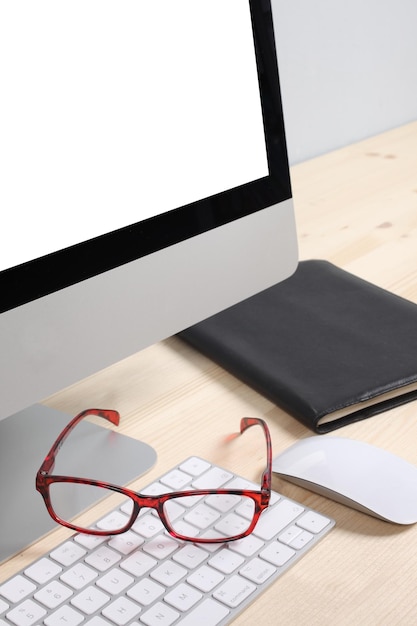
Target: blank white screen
114 110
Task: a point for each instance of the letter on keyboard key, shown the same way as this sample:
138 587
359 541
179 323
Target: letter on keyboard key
275 519
168 573
90 600
209 613
115 581
65 615
234 591
121 611
138 563
159 615
183 597
161 546
145 591
190 556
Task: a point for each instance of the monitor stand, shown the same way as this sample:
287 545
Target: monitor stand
90 451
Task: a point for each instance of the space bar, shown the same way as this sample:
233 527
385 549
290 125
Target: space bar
208 613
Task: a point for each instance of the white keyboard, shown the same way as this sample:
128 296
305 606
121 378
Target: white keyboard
145 576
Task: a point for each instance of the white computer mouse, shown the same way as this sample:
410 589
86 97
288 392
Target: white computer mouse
354 473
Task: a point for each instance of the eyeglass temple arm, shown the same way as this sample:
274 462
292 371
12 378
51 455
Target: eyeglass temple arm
247 422
108 414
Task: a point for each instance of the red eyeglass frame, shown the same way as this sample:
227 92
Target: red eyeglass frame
44 479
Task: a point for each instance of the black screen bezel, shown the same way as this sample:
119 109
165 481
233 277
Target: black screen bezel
50 273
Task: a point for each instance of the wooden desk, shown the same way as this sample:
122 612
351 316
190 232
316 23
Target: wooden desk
356 207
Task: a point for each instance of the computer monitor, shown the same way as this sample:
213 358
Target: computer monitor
144 179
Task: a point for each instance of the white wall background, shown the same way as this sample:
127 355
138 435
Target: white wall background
348 70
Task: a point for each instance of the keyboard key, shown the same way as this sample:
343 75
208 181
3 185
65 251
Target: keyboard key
161 547
212 534
277 553
148 525
234 591
301 540
17 588
190 556
103 558
194 466
205 578
226 561
176 479
53 594
113 521
155 489
115 581
146 591
183 597
290 534
202 516
68 553
78 576
246 546
64 615
26 614
138 563
209 613
213 479
90 541
90 600
126 542
275 519
258 571
313 522
43 570
121 611
296 537
223 503
168 573
231 525
159 615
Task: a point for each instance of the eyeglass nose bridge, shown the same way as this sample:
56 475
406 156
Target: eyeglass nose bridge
141 502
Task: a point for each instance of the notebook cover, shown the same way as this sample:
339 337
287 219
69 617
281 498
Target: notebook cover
321 343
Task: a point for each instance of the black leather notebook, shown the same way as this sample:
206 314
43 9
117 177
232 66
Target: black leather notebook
325 345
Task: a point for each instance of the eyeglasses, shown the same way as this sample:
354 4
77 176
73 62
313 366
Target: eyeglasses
193 515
